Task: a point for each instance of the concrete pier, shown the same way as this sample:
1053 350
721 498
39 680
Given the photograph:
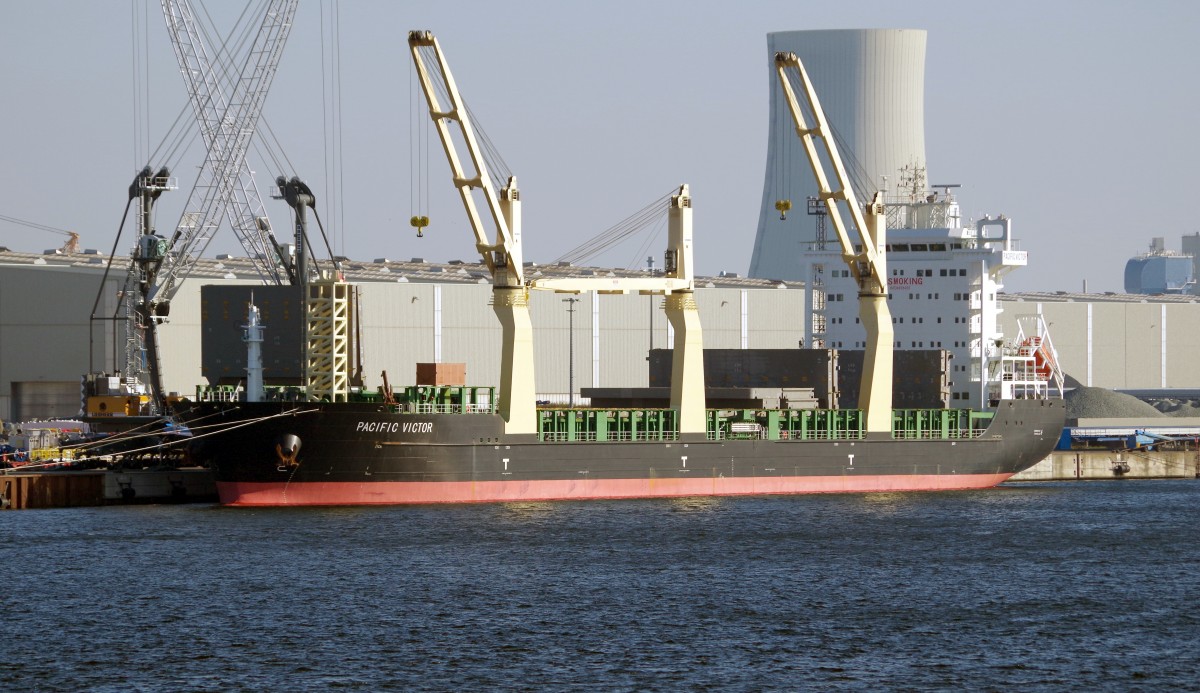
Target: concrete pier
1119 464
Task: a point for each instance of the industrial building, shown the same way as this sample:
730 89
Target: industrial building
415 312
411 312
1163 271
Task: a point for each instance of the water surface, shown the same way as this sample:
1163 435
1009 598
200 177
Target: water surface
1079 585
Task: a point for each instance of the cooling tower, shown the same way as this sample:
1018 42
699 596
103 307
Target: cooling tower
871 84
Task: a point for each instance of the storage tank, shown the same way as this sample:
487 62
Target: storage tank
1159 274
871 84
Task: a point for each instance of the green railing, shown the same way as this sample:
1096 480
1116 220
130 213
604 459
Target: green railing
577 425
568 425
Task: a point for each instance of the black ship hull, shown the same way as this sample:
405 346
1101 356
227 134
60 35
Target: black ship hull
279 453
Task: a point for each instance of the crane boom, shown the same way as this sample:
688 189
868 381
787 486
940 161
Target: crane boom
866 259
227 123
158 265
503 259
69 247
517 398
503 251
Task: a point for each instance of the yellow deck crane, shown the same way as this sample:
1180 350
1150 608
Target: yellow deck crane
500 248
864 255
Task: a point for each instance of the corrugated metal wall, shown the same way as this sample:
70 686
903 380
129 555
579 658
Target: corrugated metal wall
44 336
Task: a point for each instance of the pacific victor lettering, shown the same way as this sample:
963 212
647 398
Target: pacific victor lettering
394 427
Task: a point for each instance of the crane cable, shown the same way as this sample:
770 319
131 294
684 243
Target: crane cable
617 233
182 134
35 225
418 159
331 116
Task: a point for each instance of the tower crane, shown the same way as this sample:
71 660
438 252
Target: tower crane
69 247
863 254
500 248
227 123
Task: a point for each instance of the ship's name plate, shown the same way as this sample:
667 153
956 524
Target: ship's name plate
394 427
1015 257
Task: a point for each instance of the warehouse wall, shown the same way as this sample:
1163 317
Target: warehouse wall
44 337
1120 344
45 310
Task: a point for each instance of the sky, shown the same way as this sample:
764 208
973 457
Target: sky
1075 119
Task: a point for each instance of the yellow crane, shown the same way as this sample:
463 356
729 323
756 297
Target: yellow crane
499 244
864 255
70 247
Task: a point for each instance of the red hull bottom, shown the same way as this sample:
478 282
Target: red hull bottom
416 492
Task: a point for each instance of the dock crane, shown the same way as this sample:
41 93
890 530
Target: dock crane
227 122
501 251
864 255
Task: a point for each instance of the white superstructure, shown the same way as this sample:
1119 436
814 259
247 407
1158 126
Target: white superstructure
944 279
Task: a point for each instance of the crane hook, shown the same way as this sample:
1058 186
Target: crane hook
783 206
419 223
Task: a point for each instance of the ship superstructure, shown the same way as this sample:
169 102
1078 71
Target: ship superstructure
944 278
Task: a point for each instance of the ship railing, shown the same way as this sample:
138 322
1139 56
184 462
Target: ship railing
431 408
218 393
952 434
612 436
764 434
836 434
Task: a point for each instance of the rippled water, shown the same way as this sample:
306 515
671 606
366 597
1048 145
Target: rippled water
1054 586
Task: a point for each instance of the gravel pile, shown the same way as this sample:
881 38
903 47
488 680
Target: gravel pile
1099 403
1178 407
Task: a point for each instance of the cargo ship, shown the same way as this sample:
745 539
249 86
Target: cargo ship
328 443
445 446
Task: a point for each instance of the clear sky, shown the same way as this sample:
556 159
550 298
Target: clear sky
1076 119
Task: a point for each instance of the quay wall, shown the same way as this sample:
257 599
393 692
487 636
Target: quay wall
1120 464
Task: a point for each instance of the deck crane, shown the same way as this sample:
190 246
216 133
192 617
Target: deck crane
502 254
864 255
501 251
227 123
677 285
